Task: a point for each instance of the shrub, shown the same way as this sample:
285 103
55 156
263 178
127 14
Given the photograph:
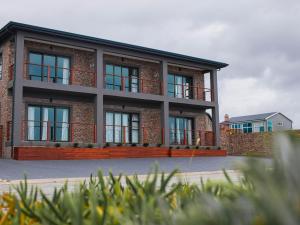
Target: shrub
170 147
158 145
262 196
133 144
197 147
146 144
106 145
90 145
187 147
178 147
207 148
219 148
57 145
119 144
76 145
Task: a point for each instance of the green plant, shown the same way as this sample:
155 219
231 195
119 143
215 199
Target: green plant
146 144
207 148
76 145
57 145
197 147
187 147
177 147
119 144
133 144
265 194
158 145
90 145
171 147
106 145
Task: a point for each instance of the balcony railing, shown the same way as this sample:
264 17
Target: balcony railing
61 75
191 137
191 92
133 84
47 131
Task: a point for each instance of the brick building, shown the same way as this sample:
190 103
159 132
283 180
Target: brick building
59 87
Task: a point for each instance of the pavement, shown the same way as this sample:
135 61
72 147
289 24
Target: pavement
15 170
50 174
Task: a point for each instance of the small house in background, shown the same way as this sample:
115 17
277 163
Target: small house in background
274 121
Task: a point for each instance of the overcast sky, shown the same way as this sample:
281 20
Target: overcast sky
260 39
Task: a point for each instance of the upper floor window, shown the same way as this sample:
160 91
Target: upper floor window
47 123
247 127
1 65
180 86
121 78
51 68
280 124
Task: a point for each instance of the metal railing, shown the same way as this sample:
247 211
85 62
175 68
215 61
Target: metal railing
49 131
191 137
133 84
49 73
191 92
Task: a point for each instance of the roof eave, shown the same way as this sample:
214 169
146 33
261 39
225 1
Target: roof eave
13 26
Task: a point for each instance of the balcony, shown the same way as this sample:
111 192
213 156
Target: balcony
58 75
191 137
186 91
48 131
132 84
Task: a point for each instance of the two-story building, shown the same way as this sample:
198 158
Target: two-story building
60 87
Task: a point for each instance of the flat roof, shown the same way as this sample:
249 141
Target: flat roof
11 27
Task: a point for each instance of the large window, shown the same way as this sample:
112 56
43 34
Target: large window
180 86
121 127
52 68
236 126
1 65
247 127
47 123
258 127
121 78
181 130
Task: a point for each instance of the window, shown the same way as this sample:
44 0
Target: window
121 127
1 65
258 127
47 123
121 78
270 125
180 86
280 124
236 126
247 127
181 130
52 68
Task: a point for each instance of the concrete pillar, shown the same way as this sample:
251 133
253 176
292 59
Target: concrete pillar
215 109
165 104
99 99
18 90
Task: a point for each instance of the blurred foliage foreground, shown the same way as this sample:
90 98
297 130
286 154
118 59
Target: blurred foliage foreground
265 195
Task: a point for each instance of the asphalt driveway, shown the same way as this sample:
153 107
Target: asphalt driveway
12 170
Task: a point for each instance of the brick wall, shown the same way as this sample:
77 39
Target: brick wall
7 50
238 143
83 62
149 72
81 116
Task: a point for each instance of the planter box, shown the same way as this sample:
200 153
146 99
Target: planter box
71 153
137 152
196 152
51 153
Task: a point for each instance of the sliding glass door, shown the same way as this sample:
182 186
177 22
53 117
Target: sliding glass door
180 86
121 127
47 123
181 130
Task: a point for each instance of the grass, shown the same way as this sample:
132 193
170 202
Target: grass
264 195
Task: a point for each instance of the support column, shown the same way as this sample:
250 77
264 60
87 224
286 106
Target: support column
99 99
165 104
18 90
215 110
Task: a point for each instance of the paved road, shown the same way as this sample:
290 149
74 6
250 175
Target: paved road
14 170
